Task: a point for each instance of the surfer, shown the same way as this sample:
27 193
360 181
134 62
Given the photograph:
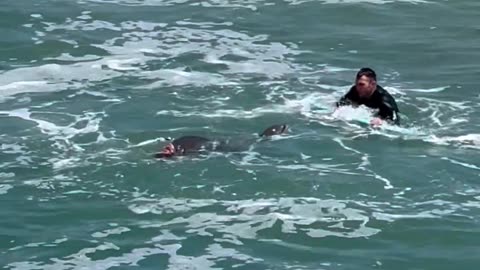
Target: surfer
195 144
367 92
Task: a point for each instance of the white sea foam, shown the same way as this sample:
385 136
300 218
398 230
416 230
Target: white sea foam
61 132
12 149
308 216
464 141
68 154
147 142
108 232
431 90
240 220
11 89
177 77
4 188
141 39
463 164
368 1
365 164
246 4
47 78
248 217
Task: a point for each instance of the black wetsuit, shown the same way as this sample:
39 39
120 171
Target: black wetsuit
380 99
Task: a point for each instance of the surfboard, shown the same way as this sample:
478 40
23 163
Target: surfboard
362 115
359 115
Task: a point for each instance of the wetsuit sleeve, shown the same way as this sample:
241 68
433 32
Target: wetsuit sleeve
388 110
347 99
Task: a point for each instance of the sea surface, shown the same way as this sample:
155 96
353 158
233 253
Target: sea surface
90 89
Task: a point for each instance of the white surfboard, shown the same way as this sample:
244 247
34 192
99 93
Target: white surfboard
363 115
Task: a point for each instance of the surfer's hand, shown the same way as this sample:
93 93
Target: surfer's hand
376 122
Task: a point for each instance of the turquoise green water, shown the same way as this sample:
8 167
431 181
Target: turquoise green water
89 88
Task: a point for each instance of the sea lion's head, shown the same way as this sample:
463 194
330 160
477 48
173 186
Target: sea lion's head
274 130
167 151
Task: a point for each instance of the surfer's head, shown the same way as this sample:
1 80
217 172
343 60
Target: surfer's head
366 82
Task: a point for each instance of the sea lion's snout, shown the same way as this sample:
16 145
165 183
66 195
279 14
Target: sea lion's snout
168 151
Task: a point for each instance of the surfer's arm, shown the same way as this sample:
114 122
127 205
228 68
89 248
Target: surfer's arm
347 99
388 111
343 102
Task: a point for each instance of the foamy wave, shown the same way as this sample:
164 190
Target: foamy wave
310 105
177 77
61 132
249 217
231 113
4 188
431 90
310 216
82 259
40 244
242 220
466 141
360 117
46 78
371 1
148 142
8 91
436 209
349 113
12 149
141 42
7 175
365 164
247 4
452 105
463 164
67 152
63 163
108 232
320 168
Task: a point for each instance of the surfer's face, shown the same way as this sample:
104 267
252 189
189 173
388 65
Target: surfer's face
365 86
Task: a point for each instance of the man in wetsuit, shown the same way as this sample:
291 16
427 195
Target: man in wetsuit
367 92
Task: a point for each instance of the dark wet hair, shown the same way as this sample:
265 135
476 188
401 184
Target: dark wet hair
368 72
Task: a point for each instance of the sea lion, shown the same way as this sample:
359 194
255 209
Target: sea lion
195 144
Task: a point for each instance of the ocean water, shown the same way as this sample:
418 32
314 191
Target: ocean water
89 89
